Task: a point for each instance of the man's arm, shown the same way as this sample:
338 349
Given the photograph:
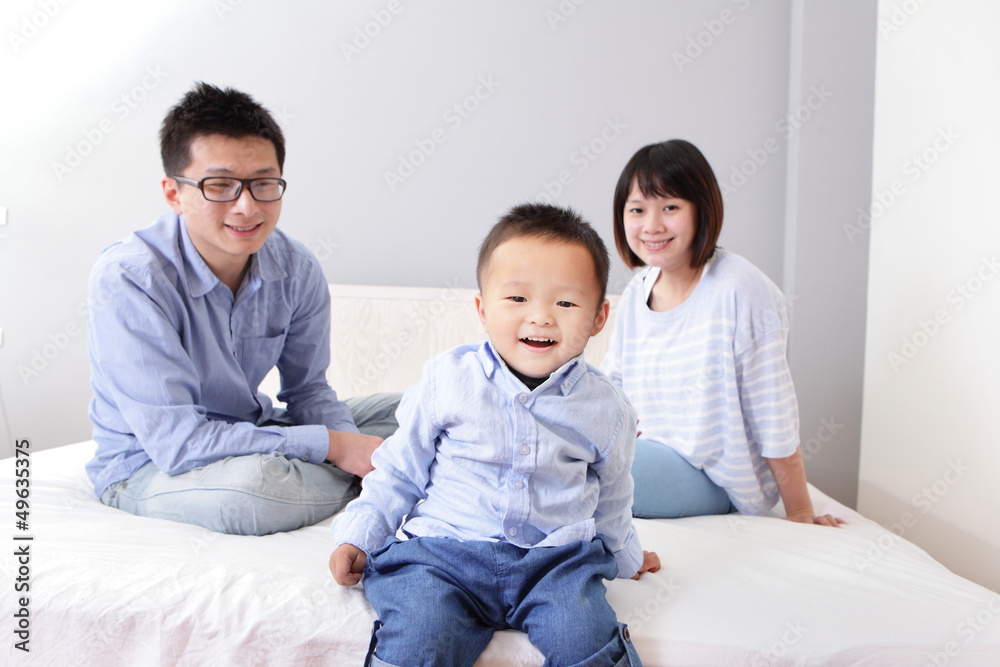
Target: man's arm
352 452
147 384
305 357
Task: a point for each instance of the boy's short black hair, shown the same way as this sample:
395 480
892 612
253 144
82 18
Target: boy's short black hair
548 223
205 110
674 168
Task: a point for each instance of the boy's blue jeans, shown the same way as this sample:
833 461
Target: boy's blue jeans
439 600
256 494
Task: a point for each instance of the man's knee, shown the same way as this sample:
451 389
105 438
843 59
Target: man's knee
375 414
257 494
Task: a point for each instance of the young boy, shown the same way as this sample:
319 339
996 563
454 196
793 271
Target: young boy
512 467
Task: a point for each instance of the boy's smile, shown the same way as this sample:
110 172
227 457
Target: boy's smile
539 303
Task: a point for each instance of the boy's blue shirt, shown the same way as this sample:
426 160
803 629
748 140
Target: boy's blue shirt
479 457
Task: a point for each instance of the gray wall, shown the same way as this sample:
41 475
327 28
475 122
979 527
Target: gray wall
554 79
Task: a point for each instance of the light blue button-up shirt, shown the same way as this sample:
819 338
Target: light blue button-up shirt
479 457
176 359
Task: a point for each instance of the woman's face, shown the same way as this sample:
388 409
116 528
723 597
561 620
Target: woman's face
660 230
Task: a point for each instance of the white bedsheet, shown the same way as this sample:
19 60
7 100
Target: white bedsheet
108 588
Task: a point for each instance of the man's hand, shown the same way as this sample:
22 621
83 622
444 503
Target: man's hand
347 562
352 452
650 563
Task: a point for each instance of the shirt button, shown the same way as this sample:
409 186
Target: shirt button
518 484
524 449
512 532
305 458
522 398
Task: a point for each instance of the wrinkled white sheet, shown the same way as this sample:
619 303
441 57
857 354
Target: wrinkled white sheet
108 588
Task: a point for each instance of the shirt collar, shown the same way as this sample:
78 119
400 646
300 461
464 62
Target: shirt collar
266 263
563 378
201 280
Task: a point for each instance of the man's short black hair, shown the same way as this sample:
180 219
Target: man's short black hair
206 110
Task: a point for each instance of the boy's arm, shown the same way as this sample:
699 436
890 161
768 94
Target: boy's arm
401 475
790 474
613 516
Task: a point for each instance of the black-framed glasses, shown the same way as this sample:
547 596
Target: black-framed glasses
226 188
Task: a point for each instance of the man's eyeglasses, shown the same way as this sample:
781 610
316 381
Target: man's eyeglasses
224 188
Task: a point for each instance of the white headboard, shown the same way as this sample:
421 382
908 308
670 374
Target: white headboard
381 336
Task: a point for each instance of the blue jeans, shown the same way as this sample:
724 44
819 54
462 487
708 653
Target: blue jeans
439 600
668 487
256 494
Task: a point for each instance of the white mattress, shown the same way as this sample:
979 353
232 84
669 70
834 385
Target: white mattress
108 588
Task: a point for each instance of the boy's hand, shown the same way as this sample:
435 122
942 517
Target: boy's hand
807 516
346 564
352 452
650 563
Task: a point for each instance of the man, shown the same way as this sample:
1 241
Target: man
186 318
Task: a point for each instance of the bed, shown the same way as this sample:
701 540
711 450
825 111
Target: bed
108 588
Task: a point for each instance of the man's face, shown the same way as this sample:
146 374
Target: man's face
226 233
539 303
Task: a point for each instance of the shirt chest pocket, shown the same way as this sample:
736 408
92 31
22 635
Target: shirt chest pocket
257 356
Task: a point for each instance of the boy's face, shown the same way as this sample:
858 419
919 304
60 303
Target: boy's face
539 303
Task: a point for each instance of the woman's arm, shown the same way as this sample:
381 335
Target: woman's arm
790 474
